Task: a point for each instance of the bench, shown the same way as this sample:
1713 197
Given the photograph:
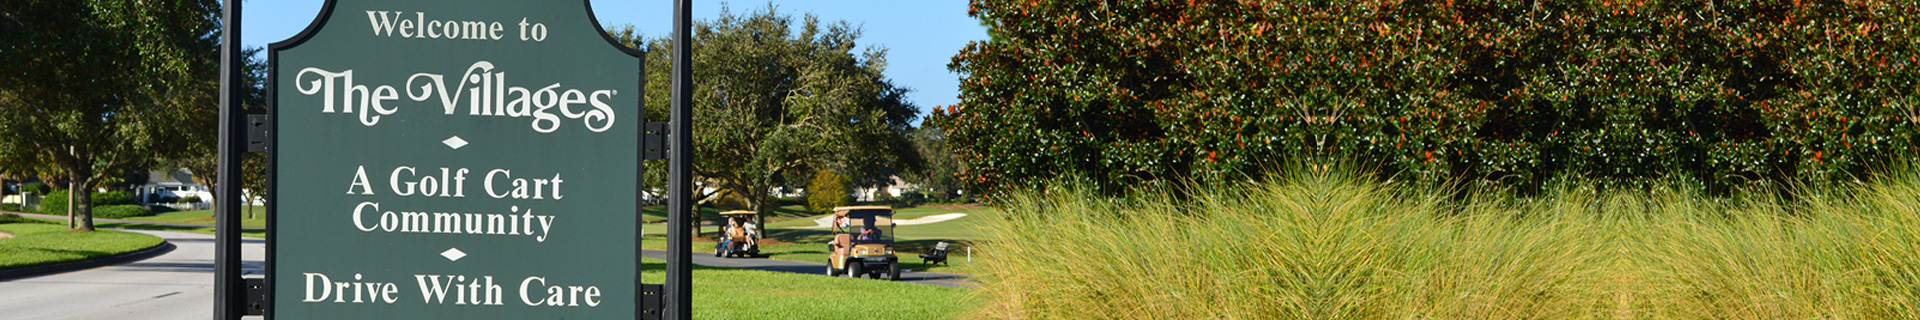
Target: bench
937 256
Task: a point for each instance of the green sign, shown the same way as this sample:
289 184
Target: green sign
454 159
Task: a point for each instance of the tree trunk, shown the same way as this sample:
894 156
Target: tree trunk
3 191
80 198
693 227
212 203
70 196
693 218
758 203
82 207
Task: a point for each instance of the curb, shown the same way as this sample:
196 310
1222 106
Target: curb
70 266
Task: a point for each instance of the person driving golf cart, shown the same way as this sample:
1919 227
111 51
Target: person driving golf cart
867 250
868 232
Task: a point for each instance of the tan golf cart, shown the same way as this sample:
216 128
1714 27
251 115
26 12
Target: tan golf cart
734 240
863 243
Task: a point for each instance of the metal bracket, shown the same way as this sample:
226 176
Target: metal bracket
653 141
256 133
650 301
256 296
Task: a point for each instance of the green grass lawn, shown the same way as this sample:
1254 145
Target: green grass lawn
722 293
205 217
40 243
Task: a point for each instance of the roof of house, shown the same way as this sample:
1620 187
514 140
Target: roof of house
176 175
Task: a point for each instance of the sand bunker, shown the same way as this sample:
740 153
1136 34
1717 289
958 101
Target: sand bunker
827 221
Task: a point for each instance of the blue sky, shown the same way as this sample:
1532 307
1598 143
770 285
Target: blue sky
921 35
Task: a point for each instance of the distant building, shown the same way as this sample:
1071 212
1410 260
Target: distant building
169 187
895 187
784 192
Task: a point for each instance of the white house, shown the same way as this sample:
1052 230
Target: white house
895 187
169 186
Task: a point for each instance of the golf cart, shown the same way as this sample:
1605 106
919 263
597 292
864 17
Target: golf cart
863 243
734 240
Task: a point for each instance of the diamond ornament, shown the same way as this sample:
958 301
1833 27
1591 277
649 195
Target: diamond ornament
456 142
453 254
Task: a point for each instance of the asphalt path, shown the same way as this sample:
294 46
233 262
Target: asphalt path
175 285
813 268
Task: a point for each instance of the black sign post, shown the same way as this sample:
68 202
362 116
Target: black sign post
229 298
679 284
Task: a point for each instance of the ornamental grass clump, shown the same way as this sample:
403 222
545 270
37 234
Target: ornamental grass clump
1323 244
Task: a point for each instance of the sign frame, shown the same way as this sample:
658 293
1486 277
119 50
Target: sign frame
233 300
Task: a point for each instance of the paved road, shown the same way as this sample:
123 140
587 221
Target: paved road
175 285
815 268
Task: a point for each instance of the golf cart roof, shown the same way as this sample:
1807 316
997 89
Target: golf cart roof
864 211
737 213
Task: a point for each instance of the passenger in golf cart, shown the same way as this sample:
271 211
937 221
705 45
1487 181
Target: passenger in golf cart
736 239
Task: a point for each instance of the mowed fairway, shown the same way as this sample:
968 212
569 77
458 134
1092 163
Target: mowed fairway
721 293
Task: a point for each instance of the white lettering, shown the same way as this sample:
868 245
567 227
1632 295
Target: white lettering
356 215
524 298
523 29
393 181
360 180
326 287
515 223
382 23
558 295
325 85
362 292
482 87
434 293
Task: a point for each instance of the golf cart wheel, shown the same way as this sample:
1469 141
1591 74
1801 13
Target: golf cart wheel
718 251
893 271
830 272
855 269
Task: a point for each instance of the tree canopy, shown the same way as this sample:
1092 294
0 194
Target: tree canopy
777 98
94 87
1510 93
940 176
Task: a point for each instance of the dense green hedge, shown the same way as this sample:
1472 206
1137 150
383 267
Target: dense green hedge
56 202
121 211
1728 93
